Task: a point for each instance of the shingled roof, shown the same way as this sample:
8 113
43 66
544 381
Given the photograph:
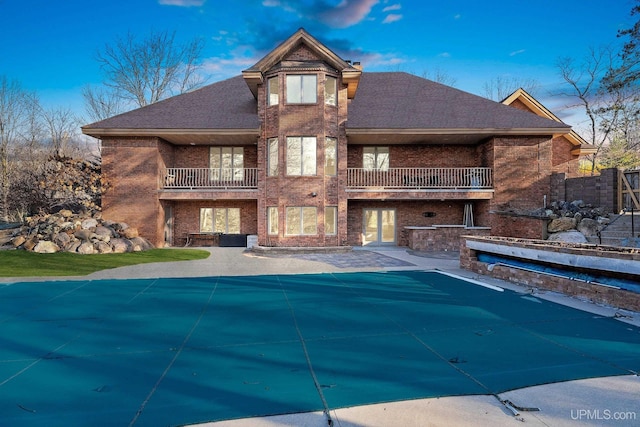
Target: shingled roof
385 103
226 107
397 100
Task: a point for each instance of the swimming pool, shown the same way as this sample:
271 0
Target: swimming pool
182 351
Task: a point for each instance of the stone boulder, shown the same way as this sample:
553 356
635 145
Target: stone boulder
83 233
571 236
140 244
588 227
121 245
102 247
89 224
86 248
18 241
61 239
46 247
561 224
129 233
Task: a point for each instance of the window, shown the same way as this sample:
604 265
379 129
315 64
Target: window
331 91
301 89
301 155
330 156
272 156
330 219
272 220
226 163
220 220
273 91
375 158
301 221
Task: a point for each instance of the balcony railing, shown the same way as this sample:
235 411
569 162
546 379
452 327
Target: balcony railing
421 178
196 178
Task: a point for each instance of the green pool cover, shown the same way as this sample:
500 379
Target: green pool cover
181 351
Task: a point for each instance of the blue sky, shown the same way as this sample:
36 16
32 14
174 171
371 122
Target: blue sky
50 45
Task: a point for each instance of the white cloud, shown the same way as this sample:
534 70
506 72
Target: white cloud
444 55
517 52
457 16
182 3
392 7
347 13
392 17
222 68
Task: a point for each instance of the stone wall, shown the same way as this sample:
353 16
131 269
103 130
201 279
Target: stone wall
600 190
441 237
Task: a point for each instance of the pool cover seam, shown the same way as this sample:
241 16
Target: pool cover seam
175 357
325 405
53 298
420 341
576 351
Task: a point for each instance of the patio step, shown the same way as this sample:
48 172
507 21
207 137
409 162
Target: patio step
619 231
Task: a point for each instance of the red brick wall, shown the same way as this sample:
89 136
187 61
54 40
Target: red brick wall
562 159
408 213
131 167
187 216
198 156
522 178
282 191
425 156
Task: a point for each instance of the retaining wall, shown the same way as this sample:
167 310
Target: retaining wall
604 260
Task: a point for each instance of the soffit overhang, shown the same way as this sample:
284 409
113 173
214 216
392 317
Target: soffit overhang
438 136
184 136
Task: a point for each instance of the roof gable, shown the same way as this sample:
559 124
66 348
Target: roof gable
254 76
522 98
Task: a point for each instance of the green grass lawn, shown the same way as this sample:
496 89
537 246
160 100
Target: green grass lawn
16 263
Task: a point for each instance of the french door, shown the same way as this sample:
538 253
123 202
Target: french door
379 227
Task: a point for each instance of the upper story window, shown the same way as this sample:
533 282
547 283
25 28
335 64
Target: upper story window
226 163
331 91
302 88
273 91
301 155
375 158
272 156
330 156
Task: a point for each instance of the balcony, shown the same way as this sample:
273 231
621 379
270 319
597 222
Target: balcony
208 184
206 178
429 183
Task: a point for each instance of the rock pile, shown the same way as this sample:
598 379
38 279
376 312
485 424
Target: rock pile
78 233
573 222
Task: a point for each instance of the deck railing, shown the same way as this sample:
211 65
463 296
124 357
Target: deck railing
195 178
421 178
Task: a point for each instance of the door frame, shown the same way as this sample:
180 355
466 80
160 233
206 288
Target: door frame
378 241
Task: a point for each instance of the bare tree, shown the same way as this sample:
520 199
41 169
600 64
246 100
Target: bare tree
501 87
101 103
13 104
146 71
604 109
62 125
439 76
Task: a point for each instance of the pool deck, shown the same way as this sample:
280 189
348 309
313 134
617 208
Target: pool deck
597 401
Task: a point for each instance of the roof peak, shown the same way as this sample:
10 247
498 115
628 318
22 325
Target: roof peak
254 75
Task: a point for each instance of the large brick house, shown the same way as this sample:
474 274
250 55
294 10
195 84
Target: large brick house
307 149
